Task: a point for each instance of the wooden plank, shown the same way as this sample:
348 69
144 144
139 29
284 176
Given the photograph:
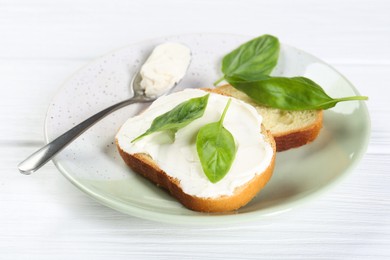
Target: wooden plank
342 31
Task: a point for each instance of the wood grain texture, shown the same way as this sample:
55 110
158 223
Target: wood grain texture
43 216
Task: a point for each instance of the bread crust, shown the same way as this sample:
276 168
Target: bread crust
143 164
288 139
299 137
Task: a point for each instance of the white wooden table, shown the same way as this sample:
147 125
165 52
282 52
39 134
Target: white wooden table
43 216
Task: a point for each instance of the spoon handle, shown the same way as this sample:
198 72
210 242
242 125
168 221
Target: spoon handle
43 155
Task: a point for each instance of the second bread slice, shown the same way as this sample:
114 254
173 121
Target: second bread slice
290 129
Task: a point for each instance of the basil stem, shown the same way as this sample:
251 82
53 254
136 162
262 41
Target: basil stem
298 93
216 148
177 118
257 56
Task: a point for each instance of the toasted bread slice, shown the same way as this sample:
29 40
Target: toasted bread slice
290 129
145 165
175 166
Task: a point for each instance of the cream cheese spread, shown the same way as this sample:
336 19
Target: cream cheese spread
179 159
164 68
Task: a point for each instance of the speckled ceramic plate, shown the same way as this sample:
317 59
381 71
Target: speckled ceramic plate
93 164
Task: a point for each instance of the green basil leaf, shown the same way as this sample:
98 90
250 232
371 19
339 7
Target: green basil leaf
296 93
258 56
179 117
246 78
216 149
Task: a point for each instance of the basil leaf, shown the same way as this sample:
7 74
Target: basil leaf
298 93
258 56
216 149
178 117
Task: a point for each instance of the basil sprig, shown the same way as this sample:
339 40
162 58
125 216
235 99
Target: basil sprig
257 56
216 148
177 118
297 93
247 69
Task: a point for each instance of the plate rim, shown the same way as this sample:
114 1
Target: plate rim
289 204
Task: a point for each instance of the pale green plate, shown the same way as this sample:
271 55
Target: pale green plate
93 164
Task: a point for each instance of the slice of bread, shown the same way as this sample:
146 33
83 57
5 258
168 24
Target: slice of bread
290 129
145 165
175 166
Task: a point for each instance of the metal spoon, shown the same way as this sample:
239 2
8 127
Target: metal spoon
43 155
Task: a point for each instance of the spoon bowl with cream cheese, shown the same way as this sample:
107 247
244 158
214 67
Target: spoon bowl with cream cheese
164 68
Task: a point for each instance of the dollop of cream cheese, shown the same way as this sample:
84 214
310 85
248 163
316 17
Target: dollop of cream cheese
164 68
179 159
